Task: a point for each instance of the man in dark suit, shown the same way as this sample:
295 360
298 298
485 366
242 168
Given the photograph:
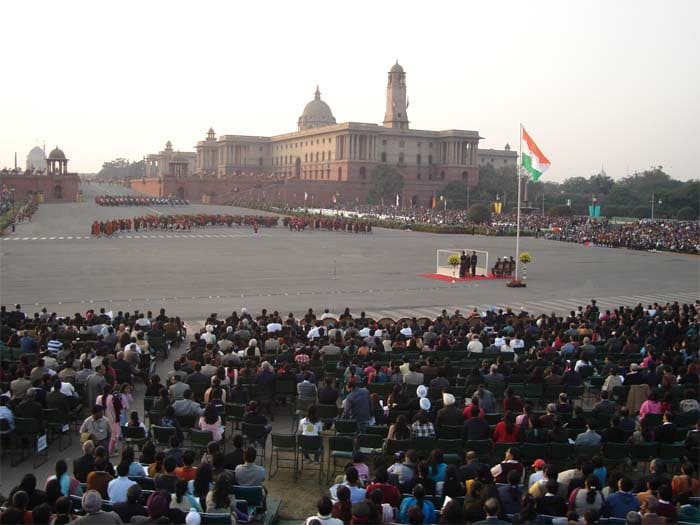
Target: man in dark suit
471 467
472 263
666 433
551 504
491 509
29 408
85 464
476 428
449 415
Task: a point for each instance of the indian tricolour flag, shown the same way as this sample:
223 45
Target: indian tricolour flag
533 160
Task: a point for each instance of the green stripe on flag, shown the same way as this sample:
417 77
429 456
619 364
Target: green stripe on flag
527 164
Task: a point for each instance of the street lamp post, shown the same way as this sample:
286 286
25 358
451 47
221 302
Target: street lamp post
653 201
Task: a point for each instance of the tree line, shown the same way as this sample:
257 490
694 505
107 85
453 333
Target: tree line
628 197
121 168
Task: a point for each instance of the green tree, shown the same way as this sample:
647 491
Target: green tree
492 182
600 184
478 213
686 214
456 194
121 168
385 183
561 211
576 186
620 194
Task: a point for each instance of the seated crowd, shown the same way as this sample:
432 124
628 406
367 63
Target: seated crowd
481 415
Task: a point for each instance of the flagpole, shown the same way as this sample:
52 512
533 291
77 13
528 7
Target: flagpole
517 220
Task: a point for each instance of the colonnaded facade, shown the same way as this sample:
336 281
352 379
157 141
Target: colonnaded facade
322 161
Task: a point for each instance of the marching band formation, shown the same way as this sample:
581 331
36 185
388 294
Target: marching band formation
342 224
179 223
135 200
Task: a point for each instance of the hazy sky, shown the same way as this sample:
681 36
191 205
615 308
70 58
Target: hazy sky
596 83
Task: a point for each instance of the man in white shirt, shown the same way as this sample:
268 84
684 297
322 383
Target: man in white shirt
208 336
506 348
314 333
68 389
475 346
325 507
274 327
516 343
116 489
499 341
327 315
406 331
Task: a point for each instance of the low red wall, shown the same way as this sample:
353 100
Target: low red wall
49 188
222 190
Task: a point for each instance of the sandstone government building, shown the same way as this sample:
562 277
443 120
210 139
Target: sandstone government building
323 161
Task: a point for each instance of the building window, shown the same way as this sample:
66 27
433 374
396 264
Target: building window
418 159
419 144
384 142
401 160
418 175
317 156
465 176
384 156
323 156
340 172
505 161
431 145
442 175
430 158
306 157
402 144
316 141
260 161
363 173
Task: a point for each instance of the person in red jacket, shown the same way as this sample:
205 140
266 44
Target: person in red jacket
391 494
506 431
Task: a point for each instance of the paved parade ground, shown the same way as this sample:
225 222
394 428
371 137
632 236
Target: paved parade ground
55 262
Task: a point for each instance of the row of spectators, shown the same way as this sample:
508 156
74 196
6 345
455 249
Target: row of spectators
331 357
678 236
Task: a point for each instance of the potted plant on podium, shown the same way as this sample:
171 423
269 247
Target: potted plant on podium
525 259
453 260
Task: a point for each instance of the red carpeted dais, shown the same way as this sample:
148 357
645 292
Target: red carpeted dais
448 278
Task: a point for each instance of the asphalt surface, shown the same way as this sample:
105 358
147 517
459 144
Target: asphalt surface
53 261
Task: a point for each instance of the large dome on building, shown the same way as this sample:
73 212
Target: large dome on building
36 159
316 114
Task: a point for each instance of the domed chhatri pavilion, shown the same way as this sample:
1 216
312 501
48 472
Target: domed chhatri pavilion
46 178
322 161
